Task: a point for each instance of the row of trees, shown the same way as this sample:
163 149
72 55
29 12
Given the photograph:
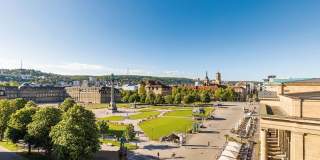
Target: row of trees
70 131
179 95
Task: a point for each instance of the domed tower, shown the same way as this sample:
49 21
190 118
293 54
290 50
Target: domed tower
218 78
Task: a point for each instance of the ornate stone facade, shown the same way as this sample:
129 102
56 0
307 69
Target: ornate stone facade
92 94
38 94
290 126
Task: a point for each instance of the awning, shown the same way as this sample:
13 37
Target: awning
225 158
229 154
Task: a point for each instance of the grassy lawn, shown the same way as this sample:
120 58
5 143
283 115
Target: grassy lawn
159 127
208 111
170 107
116 143
123 105
180 113
9 146
143 115
147 109
112 118
116 129
96 106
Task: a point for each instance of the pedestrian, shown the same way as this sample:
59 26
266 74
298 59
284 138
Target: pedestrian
208 143
158 154
173 155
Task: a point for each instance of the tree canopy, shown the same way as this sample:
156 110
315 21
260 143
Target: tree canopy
67 104
41 124
76 136
6 110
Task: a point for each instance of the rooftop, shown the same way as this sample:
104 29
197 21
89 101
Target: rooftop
305 95
305 81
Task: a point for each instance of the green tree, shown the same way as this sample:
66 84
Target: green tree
42 122
130 133
142 98
205 97
159 99
229 94
150 98
102 128
177 98
134 98
218 94
67 104
125 98
6 110
142 89
196 96
17 126
188 99
76 136
30 104
169 99
18 103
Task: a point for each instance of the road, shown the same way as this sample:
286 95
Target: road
7 155
197 145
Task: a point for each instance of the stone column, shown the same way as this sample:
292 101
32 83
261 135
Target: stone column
263 145
297 146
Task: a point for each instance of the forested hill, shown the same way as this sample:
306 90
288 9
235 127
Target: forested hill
30 75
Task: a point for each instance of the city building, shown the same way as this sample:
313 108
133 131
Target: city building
156 87
218 78
129 87
217 81
92 94
290 121
240 93
38 94
292 85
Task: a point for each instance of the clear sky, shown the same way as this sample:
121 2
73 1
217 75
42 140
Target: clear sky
244 40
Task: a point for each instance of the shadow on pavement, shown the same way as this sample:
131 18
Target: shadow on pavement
214 132
151 147
107 155
219 119
135 156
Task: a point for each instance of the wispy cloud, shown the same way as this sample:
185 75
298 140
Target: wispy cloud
78 68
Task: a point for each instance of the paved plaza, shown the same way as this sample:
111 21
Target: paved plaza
197 144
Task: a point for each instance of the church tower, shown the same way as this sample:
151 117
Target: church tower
206 81
218 78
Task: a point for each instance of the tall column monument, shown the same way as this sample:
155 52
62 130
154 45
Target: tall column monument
112 101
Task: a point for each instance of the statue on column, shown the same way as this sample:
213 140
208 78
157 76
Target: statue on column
112 101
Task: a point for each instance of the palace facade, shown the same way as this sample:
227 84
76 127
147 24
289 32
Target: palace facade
38 94
290 121
92 94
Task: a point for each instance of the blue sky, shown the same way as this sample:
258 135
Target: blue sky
244 40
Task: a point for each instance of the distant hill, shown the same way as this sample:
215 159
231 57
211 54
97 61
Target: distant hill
30 75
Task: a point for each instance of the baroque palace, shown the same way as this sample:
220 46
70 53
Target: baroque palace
52 94
290 120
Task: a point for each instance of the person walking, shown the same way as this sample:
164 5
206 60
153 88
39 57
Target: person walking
173 155
158 154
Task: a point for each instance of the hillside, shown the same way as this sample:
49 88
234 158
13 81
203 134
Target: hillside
30 75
